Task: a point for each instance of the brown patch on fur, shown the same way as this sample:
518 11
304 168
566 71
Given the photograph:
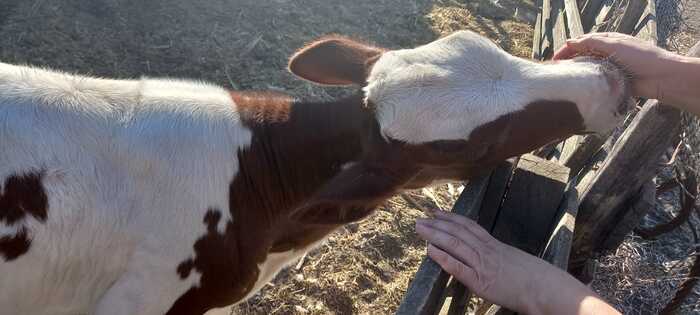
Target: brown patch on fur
291 190
276 174
540 123
14 246
22 195
312 167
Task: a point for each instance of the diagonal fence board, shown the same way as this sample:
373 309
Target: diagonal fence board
558 247
558 20
532 204
495 193
520 201
607 194
428 285
493 198
631 163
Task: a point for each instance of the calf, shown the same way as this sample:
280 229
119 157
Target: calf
176 197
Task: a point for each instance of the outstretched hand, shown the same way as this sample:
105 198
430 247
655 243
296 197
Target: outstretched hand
655 73
647 63
503 274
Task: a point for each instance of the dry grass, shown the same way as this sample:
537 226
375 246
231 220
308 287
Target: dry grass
641 276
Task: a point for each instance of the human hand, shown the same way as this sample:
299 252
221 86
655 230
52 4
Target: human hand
649 65
503 274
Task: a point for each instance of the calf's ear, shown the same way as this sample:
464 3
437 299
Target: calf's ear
351 195
335 60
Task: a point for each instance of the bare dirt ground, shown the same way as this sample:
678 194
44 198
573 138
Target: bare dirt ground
244 44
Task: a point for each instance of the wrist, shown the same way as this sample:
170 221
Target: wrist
560 293
678 88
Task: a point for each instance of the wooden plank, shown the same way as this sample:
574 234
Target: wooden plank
647 26
578 150
558 246
537 38
547 41
460 300
531 204
589 12
640 206
604 14
497 186
559 31
426 289
573 18
493 198
633 11
631 163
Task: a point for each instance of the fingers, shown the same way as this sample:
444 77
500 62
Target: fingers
464 222
566 52
456 268
600 44
457 243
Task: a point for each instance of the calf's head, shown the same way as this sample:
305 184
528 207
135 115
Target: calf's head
453 107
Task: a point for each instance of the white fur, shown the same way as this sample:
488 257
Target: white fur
131 168
446 89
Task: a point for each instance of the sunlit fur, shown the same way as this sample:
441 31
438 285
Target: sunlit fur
445 89
131 168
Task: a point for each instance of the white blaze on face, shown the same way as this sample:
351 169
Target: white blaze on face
446 89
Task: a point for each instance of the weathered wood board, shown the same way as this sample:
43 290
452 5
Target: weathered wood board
500 179
493 198
531 203
630 164
558 246
629 19
589 12
426 290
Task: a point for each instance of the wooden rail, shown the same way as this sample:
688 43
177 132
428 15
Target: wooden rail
428 285
514 202
606 199
534 203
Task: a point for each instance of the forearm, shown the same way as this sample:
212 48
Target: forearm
682 88
563 294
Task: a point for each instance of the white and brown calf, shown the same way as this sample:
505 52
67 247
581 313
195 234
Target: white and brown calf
177 197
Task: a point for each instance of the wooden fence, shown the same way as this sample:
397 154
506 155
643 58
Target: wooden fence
566 201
